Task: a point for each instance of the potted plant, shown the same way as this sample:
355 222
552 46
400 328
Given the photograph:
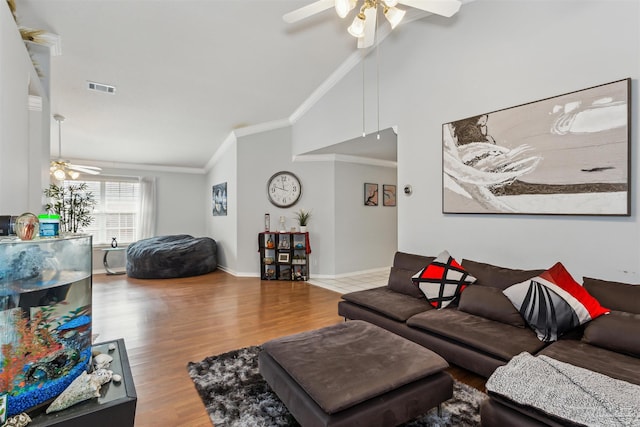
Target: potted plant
73 203
303 216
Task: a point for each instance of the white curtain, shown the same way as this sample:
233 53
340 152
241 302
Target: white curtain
147 218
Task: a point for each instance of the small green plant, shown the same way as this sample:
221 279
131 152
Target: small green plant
74 203
303 217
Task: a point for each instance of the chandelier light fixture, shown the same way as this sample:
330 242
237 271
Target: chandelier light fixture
61 169
364 24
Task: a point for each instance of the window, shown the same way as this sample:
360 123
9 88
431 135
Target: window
117 208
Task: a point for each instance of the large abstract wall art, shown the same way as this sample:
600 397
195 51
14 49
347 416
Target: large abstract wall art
565 155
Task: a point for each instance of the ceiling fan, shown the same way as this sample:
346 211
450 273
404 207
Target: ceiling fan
363 26
62 169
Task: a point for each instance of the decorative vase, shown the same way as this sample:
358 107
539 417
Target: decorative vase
114 242
27 226
303 228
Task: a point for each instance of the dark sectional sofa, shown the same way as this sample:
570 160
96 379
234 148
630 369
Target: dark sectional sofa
484 331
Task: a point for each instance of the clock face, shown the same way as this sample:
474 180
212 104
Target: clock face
284 189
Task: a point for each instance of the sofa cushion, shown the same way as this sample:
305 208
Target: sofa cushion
392 304
498 277
443 280
400 281
491 303
607 362
497 339
404 267
617 331
614 295
553 303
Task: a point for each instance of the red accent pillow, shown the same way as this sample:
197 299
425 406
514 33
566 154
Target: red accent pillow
443 280
559 276
553 303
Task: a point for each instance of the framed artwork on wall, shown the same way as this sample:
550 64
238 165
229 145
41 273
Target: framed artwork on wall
388 195
219 196
564 155
370 194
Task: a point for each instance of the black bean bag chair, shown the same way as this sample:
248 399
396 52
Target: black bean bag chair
166 257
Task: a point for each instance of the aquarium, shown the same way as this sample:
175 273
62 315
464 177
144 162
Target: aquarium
45 318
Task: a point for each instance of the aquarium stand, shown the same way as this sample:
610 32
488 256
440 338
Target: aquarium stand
116 405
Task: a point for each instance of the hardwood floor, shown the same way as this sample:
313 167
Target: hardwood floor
168 323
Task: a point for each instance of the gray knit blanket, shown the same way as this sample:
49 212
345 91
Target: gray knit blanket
567 391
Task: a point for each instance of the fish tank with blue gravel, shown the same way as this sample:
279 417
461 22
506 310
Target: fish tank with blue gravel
45 319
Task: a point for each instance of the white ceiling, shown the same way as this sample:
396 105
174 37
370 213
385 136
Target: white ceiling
186 72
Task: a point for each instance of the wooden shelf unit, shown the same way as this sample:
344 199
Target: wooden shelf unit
284 256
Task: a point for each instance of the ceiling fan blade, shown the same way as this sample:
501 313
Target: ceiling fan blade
92 170
308 10
369 36
446 8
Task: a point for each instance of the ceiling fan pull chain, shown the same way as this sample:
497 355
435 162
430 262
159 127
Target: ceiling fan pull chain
364 133
377 74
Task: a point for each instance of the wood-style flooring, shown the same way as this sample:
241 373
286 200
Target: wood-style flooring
168 323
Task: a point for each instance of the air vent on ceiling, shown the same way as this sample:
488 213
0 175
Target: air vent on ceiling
101 87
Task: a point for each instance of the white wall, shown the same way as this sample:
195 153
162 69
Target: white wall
22 136
224 229
493 55
259 157
366 237
341 228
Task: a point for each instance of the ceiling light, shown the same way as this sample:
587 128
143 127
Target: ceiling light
61 169
365 25
359 25
356 29
58 173
393 15
343 7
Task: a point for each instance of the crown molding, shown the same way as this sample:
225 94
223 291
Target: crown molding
345 159
138 166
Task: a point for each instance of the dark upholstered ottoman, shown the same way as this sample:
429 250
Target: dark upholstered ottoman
354 374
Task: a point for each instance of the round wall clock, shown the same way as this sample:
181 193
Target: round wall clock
284 189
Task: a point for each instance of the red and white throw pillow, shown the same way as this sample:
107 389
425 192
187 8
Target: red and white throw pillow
553 303
442 280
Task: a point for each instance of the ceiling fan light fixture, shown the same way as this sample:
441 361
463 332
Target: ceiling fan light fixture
58 173
394 15
356 29
62 169
343 7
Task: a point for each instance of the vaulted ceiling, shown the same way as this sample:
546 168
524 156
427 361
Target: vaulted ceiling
186 72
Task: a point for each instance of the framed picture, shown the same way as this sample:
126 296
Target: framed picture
283 257
370 194
219 196
565 155
388 195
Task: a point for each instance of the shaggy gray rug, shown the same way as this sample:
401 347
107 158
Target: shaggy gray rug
235 395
